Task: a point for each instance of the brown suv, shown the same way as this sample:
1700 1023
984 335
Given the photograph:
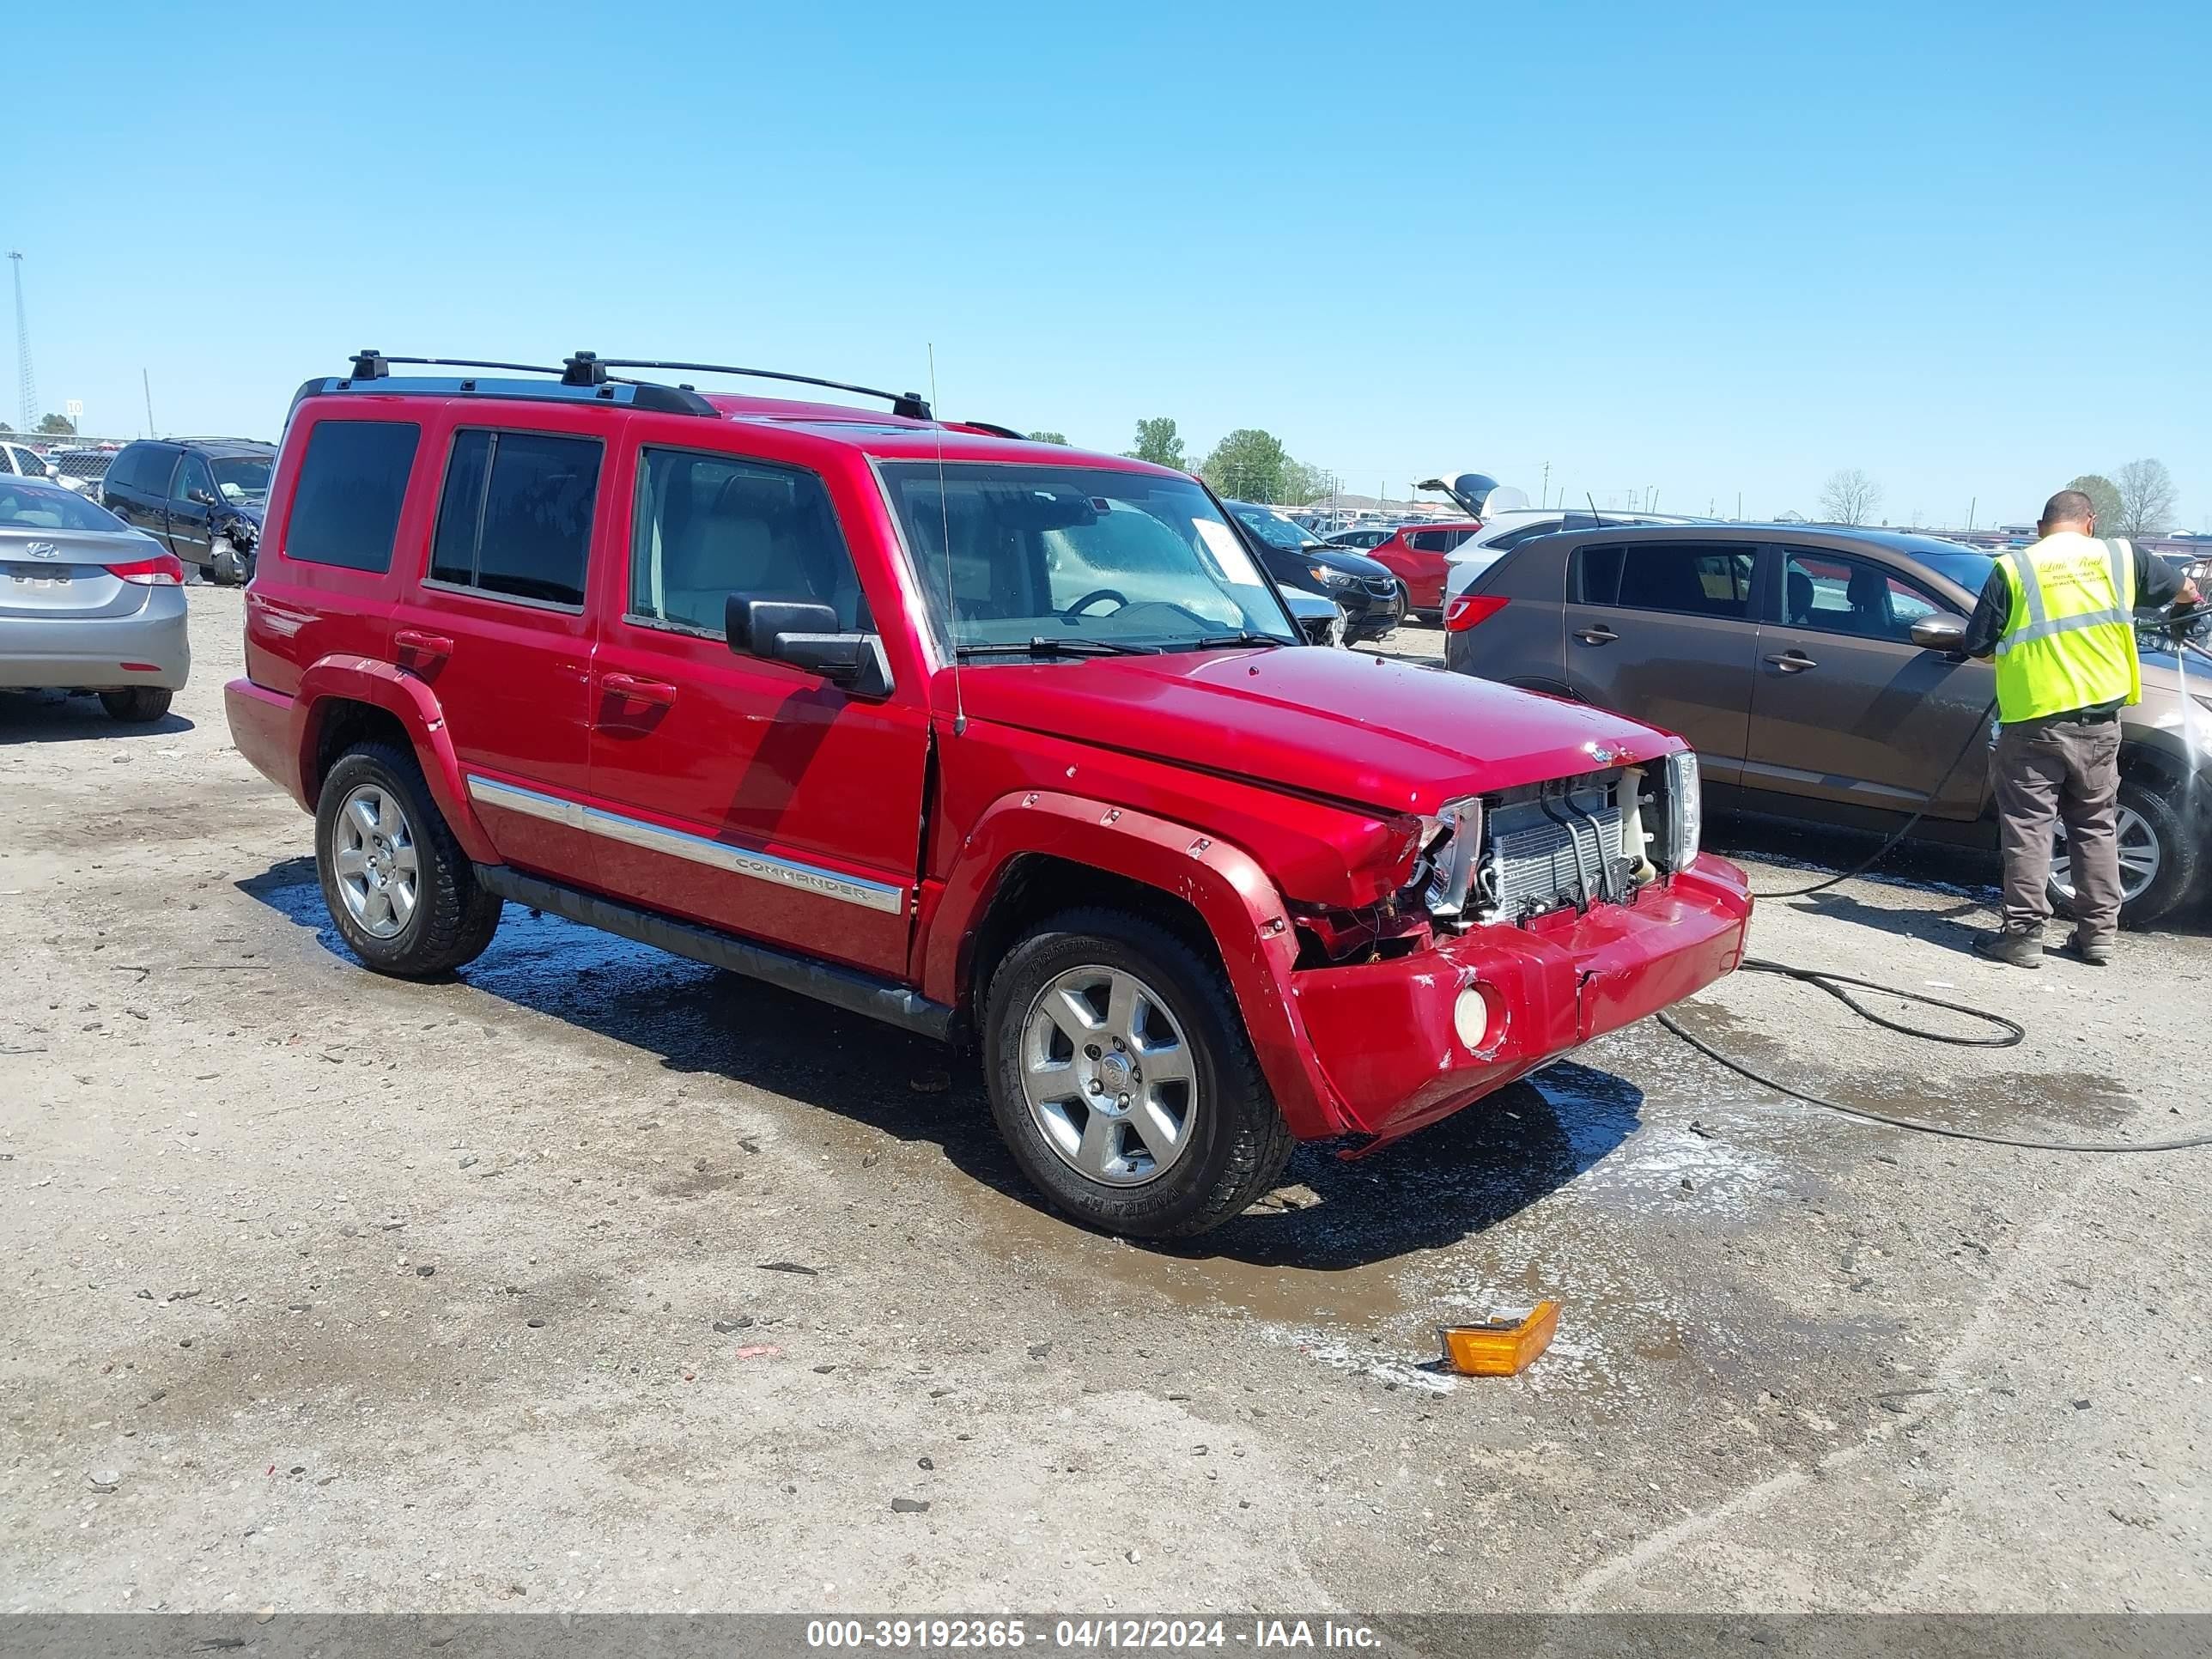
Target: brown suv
1815 671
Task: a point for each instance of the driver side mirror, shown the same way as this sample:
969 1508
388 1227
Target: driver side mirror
199 497
805 634
1939 633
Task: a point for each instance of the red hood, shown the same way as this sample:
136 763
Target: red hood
1385 734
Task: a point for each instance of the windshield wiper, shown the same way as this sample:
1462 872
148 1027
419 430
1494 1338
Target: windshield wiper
1041 646
1222 641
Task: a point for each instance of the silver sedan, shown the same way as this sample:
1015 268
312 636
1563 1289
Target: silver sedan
88 603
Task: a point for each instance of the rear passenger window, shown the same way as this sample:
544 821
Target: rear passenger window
515 516
711 525
345 505
1683 577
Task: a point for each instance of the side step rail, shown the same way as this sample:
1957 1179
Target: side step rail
843 987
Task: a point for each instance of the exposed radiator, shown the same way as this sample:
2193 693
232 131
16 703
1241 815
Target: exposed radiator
1533 856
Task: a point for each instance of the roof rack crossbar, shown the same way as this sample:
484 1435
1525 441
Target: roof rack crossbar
908 405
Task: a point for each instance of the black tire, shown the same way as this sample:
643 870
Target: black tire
1240 1140
453 919
136 705
2182 862
226 564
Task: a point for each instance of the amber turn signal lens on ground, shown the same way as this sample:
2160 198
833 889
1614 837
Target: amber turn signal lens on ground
1502 1347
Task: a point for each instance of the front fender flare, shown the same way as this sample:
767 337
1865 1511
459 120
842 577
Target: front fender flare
415 705
1223 883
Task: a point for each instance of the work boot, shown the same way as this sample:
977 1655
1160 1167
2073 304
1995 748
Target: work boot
2016 947
2096 952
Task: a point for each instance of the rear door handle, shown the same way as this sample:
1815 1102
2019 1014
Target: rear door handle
1600 634
1792 662
435 647
658 693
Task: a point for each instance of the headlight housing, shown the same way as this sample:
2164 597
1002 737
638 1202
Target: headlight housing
1333 578
1452 842
1686 811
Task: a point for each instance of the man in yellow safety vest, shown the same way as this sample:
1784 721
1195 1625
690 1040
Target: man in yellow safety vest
2058 618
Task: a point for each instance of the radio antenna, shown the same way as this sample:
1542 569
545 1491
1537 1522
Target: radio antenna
945 528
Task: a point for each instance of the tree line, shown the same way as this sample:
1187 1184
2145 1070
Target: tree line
1248 464
2139 500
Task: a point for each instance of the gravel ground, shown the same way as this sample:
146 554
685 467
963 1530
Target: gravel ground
596 1280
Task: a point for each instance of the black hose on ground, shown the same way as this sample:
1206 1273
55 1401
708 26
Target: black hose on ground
2009 1033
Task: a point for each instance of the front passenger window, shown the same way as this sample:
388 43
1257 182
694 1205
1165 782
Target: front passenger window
711 525
1838 595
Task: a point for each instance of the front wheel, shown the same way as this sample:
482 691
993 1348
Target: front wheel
1123 1081
400 890
2161 862
226 563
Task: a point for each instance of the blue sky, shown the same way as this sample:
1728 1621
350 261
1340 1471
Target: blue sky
1967 248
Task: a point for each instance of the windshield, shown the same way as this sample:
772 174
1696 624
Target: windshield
241 478
1078 555
1964 565
1273 528
52 508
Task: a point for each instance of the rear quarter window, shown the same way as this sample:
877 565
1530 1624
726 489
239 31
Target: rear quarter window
345 504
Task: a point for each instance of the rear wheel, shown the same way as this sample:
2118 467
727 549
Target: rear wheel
401 892
1122 1080
2161 864
137 704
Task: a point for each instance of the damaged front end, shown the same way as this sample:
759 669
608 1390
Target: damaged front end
1531 919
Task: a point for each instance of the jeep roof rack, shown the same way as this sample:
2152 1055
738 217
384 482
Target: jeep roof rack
587 372
908 405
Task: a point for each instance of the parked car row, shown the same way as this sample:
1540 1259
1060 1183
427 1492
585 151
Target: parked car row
1369 593
993 740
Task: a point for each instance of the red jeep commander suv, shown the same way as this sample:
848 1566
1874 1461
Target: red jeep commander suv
993 740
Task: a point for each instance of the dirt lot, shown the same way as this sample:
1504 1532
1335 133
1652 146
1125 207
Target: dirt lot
596 1280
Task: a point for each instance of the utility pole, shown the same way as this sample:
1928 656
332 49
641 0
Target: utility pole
1739 507
1972 502
1545 499
148 385
27 385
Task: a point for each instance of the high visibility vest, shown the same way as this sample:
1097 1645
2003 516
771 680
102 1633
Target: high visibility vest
2070 638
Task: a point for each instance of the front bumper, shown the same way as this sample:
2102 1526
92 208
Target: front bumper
1384 1035
1369 616
149 646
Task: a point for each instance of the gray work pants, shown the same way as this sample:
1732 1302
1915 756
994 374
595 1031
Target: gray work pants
2056 771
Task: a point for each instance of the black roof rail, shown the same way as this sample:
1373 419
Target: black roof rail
994 429
908 405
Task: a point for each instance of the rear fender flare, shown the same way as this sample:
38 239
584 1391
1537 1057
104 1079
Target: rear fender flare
1223 883
412 702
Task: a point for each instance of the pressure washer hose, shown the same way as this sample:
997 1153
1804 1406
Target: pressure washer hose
2008 1032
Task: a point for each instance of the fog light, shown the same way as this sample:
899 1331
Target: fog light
1472 1020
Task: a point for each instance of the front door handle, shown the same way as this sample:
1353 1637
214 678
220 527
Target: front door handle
432 648
1599 634
658 693
1792 662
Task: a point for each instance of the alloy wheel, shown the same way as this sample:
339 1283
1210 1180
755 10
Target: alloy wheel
373 857
1109 1077
2140 858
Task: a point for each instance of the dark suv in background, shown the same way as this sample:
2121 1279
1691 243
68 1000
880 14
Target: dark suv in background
1815 669
202 498
1372 599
